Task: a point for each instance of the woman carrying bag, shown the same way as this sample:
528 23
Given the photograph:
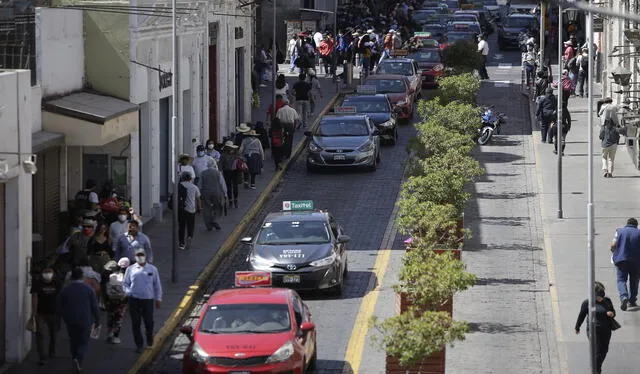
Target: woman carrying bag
604 323
252 151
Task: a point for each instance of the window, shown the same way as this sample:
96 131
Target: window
334 227
293 232
246 318
297 310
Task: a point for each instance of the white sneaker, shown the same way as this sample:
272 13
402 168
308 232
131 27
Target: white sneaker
116 340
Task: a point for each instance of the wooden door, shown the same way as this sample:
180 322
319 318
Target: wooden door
213 93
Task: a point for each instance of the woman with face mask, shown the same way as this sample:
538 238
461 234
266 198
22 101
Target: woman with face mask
116 298
44 297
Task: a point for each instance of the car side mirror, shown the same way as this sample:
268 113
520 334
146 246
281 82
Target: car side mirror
374 133
307 326
344 238
307 133
187 331
246 240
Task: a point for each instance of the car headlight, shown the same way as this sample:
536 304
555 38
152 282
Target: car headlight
282 354
313 147
366 147
386 124
324 261
198 354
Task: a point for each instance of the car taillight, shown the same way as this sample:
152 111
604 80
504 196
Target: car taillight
438 67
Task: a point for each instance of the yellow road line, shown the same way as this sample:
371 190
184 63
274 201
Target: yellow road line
355 347
553 288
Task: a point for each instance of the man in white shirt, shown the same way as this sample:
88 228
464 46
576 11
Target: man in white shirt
483 49
201 163
187 212
288 118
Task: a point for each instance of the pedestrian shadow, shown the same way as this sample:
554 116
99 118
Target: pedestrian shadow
506 221
500 328
470 246
496 157
502 281
504 195
503 141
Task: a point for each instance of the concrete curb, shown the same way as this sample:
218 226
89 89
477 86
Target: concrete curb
194 291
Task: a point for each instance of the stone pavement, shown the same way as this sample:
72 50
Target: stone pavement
508 310
107 358
615 200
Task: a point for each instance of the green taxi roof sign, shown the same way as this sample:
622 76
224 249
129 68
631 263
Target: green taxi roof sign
423 34
297 205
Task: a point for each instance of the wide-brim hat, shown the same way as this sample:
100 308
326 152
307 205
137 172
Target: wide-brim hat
243 127
230 144
252 133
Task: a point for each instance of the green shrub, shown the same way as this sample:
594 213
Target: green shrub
429 221
462 88
436 139
455 116
461 57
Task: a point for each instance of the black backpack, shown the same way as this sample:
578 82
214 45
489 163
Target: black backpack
82 200
584 63
182 198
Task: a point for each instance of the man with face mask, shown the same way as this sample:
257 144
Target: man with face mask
119 227
201 162
143 288
211 150
79 242
131 242
44 298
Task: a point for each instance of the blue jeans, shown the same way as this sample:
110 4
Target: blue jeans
626 270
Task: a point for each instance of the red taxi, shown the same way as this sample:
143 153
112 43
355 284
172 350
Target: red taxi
399 91
430 62
251 330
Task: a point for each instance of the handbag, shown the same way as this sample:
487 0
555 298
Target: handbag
241 165
31 324
614 324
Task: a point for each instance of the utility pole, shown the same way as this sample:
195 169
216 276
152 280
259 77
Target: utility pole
273 62
174 146
559 110
543 28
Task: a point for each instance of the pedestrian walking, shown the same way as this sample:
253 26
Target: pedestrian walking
184 165
291 49
78 307
301 92
604 323
200 163
626 257
132 241
213 191
230 172
278 140
483 49
187 212
609 135
44 301
252 151
211 150
583 72
116 298
545 113
120 226
288 118
315 95
143 289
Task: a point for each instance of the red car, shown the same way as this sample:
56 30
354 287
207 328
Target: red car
430 62
251 330
399 91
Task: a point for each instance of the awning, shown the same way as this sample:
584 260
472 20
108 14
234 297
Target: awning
88 119
42 140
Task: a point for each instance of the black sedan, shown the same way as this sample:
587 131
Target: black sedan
377 107
303 250
343 141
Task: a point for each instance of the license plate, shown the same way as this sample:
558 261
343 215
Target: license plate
339 157
291 279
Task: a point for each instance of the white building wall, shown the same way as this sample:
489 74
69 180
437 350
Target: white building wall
59 50
15 124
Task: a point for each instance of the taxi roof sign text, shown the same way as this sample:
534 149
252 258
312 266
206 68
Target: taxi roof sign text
345 110
297 205
253 279
399 52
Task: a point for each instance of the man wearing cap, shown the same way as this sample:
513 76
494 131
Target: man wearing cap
142 286
545 112
483 49
201 163
78 307
288 118
128 244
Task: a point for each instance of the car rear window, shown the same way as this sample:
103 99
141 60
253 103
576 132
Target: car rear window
425 56
387 86
299 232
400 68
519 22
246 318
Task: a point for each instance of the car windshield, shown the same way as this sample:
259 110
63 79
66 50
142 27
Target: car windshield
293 232
464 18
246 318
400 68
369 106
387 86
425 56
518 22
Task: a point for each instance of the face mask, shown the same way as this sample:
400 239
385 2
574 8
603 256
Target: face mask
87 230
210 146
200 154
141 260
47 276
122 217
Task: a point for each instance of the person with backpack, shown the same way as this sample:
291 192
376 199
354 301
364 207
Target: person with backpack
609 135
188 205
583 73
278 139
116 297
86 199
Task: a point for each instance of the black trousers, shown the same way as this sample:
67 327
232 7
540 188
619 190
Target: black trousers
185 220
231 180
47 322
602 347
483 68
141 310
78 340
277 153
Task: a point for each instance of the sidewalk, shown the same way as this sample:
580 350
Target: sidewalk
107 358
615 200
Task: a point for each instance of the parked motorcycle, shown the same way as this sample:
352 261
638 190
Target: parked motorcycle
492 121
